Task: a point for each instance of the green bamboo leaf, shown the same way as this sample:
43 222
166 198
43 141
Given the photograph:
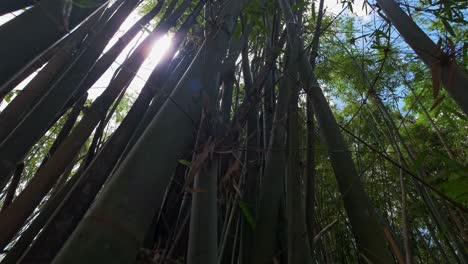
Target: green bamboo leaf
419 162
247 214
8 97
456 112
185 163
456 189
299 6
448 27
364 6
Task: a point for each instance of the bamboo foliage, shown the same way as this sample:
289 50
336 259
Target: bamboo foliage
267 132
453 78
372 244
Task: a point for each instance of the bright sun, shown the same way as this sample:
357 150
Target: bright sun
159 48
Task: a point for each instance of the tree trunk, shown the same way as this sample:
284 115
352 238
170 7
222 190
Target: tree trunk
65 220
28 235
404 221
39 31
49 173
367 229
66 128
203 235
310 149
108 58
273 182
298 239
453 78
251 177
68 44
11 191
145 172
9 6
39 119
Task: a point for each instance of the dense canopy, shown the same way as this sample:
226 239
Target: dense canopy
233 131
